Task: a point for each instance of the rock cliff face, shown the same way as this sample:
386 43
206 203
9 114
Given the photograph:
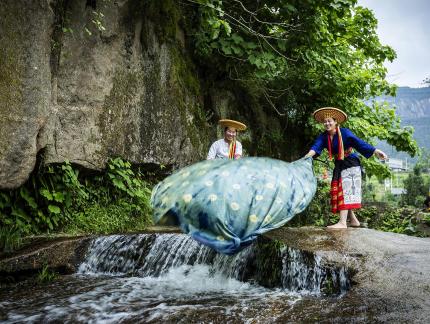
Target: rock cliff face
411 103
25 85
413 107
88 80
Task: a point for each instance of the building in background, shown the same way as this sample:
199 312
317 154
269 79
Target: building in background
392 183
398 164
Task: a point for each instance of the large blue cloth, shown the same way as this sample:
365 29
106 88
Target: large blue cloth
226 204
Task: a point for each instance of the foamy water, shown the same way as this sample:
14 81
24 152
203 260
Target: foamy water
164 278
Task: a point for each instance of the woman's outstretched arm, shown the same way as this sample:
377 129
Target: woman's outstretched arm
311 153
380 154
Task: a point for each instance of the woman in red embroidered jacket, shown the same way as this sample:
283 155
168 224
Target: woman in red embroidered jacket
346 182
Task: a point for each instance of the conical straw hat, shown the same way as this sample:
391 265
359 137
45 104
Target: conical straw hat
232 123
326 112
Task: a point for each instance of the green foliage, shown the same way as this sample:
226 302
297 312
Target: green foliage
42 204
424 161
116 217
318 213
123 178
390 219
299 55
58 197
10 239
416 189
268 254
46 275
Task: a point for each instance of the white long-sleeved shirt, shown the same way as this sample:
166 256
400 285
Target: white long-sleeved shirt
220 150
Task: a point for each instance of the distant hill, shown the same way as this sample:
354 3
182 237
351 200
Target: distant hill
413 107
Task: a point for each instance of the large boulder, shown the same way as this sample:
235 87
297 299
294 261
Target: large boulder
25 85
85 81
390 272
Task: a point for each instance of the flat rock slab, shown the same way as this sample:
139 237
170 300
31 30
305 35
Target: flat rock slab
63 254
391 272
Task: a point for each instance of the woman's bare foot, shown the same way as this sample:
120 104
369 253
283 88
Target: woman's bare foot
354 222
337 226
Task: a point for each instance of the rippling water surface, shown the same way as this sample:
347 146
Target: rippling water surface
167 278
184 294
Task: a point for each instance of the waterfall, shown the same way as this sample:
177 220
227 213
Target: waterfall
152 255
302 271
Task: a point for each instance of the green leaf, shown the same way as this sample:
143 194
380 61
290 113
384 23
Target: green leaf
251 45
54 209
58 196
215 34
24 193
20 213
237 50
227 27
46 193
237 39
227 50
119 184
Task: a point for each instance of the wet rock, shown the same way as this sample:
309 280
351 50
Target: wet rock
63 254
390 272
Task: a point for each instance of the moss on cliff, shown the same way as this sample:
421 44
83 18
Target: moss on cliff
165 15
187 85
11 68
268 262
116 123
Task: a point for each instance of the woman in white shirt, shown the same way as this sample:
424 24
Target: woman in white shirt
227 147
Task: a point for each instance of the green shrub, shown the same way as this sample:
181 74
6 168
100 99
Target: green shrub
390 219
59 198
415 188
318 212
112 218
10 239
46 275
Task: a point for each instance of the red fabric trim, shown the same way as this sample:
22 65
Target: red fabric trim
336 194
336 198
346 153
349 206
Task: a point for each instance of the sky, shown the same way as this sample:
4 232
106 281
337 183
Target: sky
405 26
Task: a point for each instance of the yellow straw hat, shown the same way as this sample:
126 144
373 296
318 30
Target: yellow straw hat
232 123
326 112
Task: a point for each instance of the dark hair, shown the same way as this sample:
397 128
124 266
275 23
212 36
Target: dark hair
225 129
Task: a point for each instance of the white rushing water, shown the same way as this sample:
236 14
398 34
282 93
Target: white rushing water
167 278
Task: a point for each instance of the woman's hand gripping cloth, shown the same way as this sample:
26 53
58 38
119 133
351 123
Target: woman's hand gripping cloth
226 204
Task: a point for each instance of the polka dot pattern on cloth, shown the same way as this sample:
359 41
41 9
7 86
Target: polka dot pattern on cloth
226 204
